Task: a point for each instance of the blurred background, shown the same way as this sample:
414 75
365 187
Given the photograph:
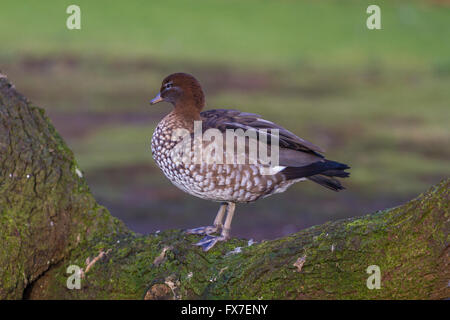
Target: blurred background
378 100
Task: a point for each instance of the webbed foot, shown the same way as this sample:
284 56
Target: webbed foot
203 230
209 241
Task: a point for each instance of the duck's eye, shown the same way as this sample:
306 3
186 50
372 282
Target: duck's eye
168 85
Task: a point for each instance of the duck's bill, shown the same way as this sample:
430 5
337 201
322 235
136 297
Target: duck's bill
156 99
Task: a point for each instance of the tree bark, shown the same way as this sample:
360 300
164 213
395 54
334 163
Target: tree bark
49 221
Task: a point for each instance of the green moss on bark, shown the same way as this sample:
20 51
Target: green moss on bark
46 209
408 243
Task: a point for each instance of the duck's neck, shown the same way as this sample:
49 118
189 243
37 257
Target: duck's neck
188 111
191 104
182 117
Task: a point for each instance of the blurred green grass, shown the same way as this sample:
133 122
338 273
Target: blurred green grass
276 33
377 100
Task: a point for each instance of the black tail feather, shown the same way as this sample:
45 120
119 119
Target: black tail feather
330 183
336 173
327 167
321 172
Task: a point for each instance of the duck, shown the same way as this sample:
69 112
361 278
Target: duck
230 182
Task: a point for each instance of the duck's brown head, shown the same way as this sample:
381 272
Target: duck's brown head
183 91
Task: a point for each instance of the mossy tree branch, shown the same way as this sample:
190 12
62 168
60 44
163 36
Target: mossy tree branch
49 221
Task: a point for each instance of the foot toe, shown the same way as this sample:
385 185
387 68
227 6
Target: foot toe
206 239
209 241
202 230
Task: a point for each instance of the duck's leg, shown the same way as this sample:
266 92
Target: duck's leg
209 241
215 227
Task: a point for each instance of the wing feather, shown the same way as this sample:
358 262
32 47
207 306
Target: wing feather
223 119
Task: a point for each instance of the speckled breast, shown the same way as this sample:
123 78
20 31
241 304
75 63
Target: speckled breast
216 182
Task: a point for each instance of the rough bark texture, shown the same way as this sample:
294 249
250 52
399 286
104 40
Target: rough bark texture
49 221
